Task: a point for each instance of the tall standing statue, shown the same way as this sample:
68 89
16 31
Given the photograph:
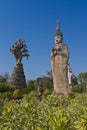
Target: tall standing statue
59 61
19 50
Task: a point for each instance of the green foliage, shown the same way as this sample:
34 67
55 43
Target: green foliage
16 94
48 112
47 83
4 78
40 85
6 87
7 94
72 95
25 90
82 78
77 88
53 112
75 80
47 92
30 85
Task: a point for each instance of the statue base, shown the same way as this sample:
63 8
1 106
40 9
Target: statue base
18 78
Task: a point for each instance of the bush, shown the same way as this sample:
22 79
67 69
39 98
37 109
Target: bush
30 85
51 113
77 88
47 92
25 90
16 94
6 87
72 95
7 94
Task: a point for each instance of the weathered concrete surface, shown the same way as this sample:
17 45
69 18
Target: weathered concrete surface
18 78
59 61
19 50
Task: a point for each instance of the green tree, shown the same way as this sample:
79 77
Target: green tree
7 94
6 87
49 73
5 77
46 82
77 88
82 78
30 85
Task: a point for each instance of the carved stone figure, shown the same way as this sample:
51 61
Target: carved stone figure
19 50
71 78
59 61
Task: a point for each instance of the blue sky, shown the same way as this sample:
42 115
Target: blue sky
35 22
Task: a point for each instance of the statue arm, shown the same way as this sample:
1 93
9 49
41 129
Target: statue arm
65 51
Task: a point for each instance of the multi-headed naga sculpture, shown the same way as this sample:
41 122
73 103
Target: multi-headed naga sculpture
19 49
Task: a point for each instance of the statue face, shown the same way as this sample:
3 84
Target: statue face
58 39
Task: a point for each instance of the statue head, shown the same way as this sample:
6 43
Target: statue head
58 35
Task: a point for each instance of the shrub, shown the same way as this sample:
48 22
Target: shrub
5 95
25 90
72 95
6 87
47 92
77 88
16 94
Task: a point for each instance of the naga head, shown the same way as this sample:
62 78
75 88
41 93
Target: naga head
19 50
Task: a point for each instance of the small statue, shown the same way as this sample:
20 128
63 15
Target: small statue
71 78
19 49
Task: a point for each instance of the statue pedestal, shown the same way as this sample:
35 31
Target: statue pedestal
18 78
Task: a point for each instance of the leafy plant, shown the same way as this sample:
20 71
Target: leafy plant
52 112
